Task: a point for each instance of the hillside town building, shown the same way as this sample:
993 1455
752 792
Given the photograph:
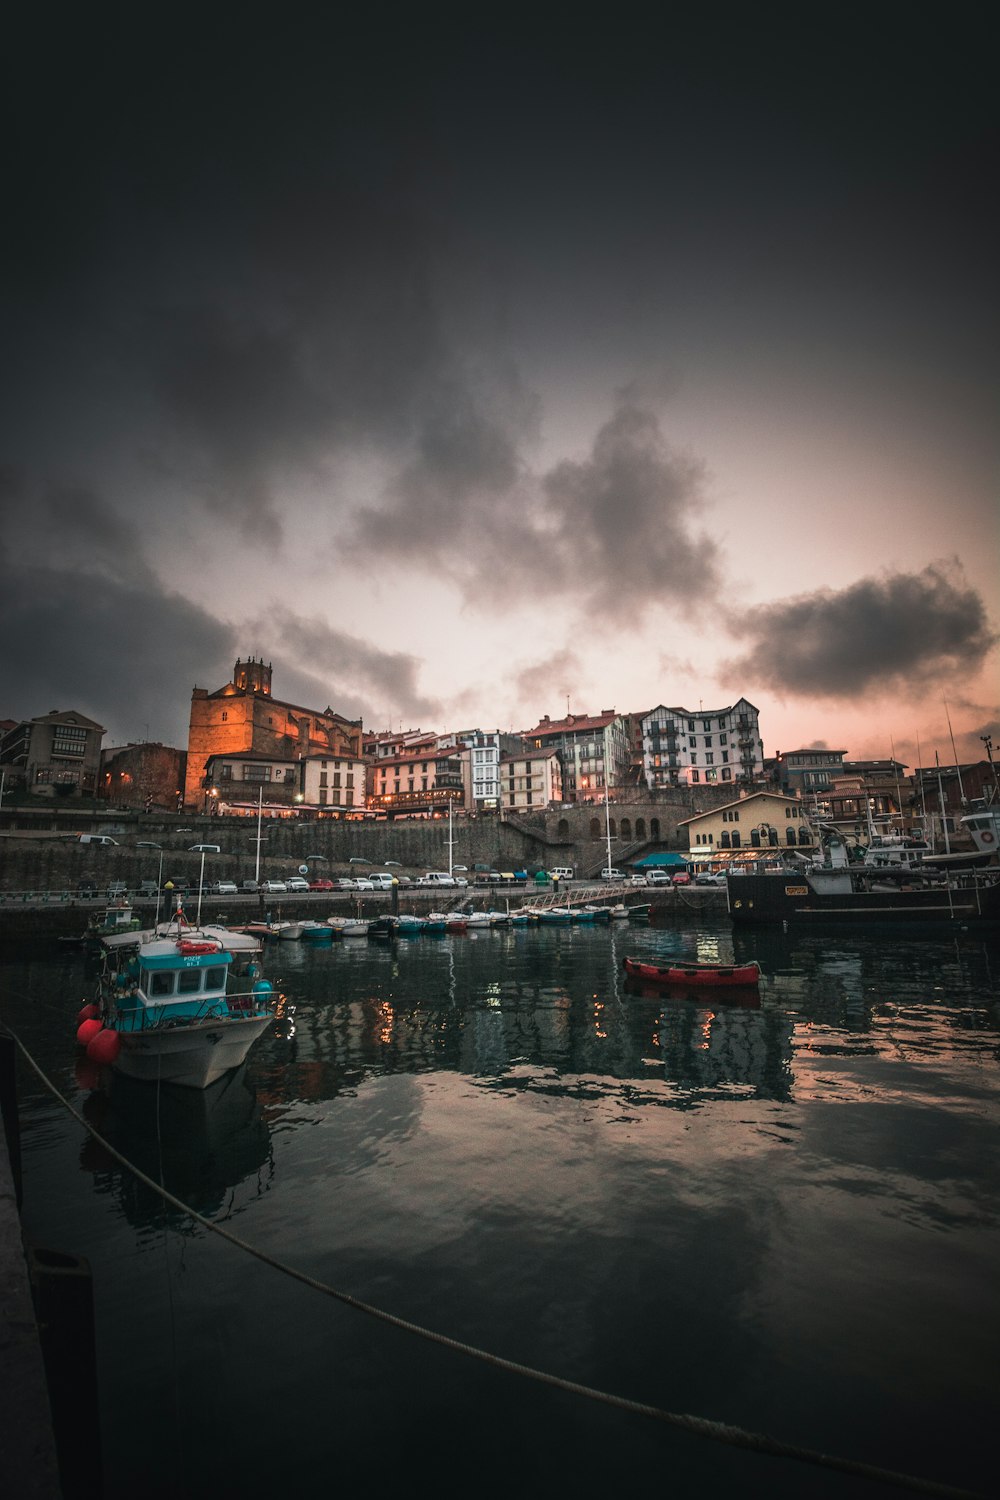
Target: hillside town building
57 754
594 751
682 748
243 723
762 820
530 780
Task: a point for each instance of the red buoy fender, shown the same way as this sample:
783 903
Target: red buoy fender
87 1030
88 1013
104 1047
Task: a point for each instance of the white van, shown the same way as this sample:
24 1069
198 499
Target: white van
381 880
97 838
438 877
561 872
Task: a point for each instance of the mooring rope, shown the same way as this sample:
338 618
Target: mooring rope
719 1432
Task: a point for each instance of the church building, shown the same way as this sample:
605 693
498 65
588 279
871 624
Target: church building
243 718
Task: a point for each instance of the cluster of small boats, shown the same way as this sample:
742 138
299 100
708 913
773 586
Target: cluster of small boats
411 924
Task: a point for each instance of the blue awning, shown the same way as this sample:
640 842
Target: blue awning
651 861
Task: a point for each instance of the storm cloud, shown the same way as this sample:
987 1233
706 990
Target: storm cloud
897 631
322 666
619 523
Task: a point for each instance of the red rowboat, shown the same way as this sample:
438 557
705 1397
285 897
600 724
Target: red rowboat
678 972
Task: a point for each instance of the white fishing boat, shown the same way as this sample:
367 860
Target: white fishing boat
350 927
164 1013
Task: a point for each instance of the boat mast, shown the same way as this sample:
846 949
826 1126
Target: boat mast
944 825
260 809
607 816
451 841
958 769
923 795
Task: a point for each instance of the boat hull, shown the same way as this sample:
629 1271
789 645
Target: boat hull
694 975
780 898
191 1056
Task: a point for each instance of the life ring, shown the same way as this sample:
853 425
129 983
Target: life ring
190 949
986 836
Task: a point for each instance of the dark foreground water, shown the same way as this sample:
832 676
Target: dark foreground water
786 1218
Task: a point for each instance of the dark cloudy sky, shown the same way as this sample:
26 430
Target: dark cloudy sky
467 364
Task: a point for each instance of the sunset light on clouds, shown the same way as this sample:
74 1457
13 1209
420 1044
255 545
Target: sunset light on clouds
467 367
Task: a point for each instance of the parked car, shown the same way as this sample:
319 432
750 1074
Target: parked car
97 838
204 849
657 877
250 887
148 888
321 885
458 869
142 844
273 887
224 888
117 890
356 859
611 874
86 889
394 864
364 884
296 883
680 877
346 883
710 877
439 878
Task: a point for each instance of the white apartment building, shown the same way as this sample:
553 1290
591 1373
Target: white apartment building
718 745
530 780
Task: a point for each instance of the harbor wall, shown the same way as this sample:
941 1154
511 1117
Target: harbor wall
38 852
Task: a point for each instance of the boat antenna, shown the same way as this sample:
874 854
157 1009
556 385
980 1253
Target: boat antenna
961 790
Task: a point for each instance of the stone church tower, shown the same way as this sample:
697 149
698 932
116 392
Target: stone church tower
243 718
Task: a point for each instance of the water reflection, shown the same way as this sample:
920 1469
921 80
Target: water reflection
200 1144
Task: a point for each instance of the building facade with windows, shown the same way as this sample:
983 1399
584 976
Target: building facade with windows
530 780
145 776
739 831
243 719
811 772
334 782
681 747
594 751
57 754
416 785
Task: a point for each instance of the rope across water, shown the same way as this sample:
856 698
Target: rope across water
719 1432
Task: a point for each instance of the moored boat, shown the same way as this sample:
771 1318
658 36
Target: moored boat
693 974
839 892
164 1012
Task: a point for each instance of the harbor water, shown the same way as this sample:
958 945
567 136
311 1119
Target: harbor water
782 1216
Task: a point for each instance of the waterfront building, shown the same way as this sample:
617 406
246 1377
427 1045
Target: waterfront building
741 830
530 780
681 747
416 784
810 772
57 754
244 721
146 776
594 751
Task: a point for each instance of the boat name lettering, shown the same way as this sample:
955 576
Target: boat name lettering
796 890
